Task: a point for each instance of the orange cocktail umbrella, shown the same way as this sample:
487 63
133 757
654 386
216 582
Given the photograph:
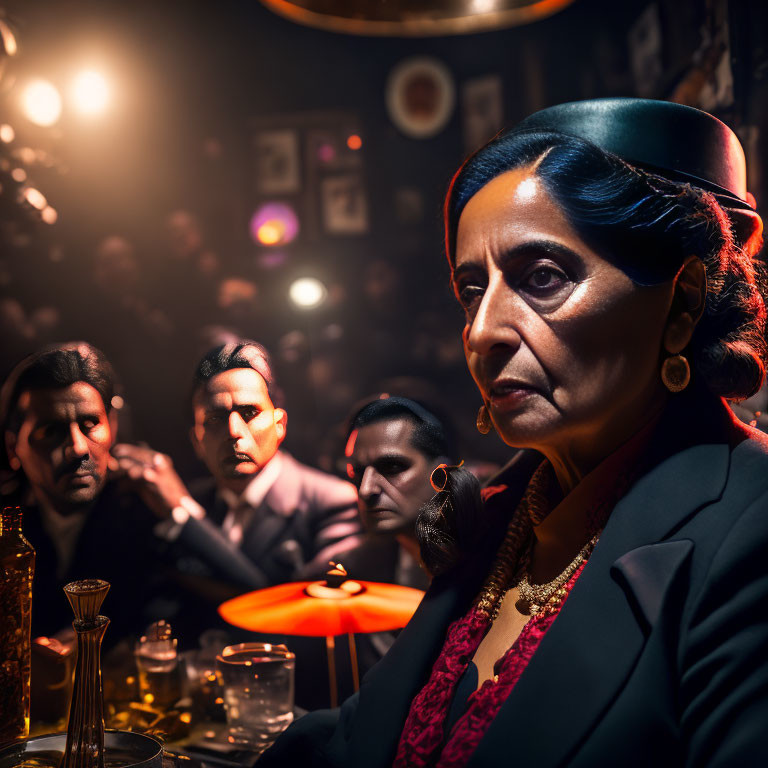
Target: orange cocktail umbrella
325 609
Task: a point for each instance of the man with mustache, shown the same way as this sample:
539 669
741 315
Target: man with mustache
59 423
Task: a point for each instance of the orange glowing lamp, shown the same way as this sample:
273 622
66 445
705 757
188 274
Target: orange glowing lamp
336 606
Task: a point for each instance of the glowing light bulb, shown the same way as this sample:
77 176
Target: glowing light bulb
41 103
274 224
90 92
307 292
271 232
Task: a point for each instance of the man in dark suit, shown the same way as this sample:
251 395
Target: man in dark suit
262 518
58 425
393 445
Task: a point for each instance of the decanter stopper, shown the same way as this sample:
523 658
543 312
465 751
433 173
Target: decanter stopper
85 732
86 597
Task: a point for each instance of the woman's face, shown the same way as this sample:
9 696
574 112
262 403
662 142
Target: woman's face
563 346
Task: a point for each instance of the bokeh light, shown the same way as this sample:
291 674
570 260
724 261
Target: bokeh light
35 198
49 215
19 174
271 259
41 103
90 93
354 142
274 224
7 134
8 39
307 292
271 232
326 153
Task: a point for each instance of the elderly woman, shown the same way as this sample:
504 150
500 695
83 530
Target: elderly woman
603 603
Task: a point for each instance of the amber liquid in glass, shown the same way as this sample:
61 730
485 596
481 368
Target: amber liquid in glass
17 568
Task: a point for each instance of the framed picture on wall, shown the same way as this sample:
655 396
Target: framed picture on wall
278 168
482 110
420 96
345 210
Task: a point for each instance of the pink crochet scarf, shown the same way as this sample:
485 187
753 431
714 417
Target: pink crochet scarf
423 741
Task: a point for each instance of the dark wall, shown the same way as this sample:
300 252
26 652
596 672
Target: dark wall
193 77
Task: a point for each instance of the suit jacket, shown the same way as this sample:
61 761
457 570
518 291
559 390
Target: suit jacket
658 657
306 519
114 544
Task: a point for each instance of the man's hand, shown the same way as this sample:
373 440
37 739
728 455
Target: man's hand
152 476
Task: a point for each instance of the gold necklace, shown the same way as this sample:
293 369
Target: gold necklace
533 597
530 510
514 553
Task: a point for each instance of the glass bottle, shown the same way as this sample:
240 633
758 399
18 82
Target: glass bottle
85 731
17 568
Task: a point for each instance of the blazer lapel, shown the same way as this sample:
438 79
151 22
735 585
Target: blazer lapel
274 514
590 650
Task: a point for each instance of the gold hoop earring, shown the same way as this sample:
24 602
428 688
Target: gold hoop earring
483 422
676 373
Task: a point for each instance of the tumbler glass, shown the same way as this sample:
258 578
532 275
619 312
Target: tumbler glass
257 679
160 676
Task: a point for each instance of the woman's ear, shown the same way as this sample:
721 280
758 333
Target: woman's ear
688 301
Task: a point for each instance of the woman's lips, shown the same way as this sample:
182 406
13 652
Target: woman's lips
509 396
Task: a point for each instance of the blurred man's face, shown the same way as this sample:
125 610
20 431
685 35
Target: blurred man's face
63 444
237 428
392 477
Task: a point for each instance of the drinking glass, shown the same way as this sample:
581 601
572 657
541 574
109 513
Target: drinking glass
160 676
257 679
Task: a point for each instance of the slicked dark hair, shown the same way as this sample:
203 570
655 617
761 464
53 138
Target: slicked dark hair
432 435
56 367
244 353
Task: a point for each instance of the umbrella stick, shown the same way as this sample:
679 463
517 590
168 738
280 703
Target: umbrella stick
330 645
353 661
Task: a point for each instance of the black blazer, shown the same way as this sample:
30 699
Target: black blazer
658 657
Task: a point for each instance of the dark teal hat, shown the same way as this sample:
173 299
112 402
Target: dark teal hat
678 142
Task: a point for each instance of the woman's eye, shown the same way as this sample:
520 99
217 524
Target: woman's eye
544 280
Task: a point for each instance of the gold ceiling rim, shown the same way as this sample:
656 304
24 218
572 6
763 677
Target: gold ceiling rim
418 27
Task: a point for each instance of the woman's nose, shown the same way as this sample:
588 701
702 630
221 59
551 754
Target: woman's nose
493 327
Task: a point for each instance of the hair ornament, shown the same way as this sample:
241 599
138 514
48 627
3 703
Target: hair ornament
439 477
